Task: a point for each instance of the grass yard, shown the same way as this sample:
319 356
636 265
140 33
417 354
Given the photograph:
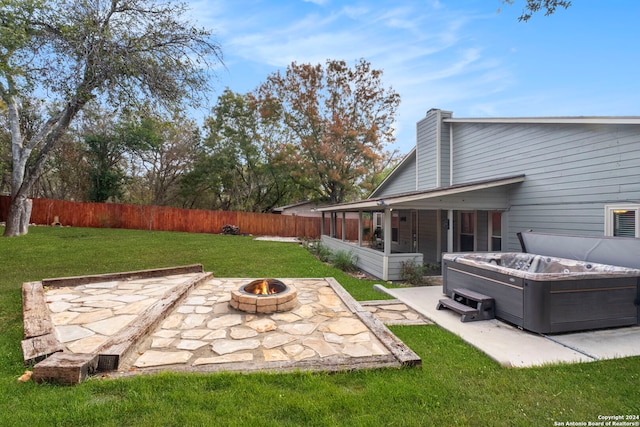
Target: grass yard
457 384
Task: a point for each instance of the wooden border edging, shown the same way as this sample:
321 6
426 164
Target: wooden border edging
63 367
140 274
400 350
42 346
39 338
120 345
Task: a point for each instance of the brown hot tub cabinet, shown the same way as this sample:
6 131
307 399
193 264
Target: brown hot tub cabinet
546 294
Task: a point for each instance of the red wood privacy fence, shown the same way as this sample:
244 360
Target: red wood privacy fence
162 218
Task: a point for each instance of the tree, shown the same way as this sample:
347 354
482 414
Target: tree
337 121
119 52
66 173
238 167
165 150
534 6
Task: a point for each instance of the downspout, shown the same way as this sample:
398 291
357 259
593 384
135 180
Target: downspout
450 211
438 150
417 183
450 230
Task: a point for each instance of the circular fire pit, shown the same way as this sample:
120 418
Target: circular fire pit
264 296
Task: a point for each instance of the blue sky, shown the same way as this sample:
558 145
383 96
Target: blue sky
472 57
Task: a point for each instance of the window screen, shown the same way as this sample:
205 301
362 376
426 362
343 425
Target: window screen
624 223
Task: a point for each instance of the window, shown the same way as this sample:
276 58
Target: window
495 230
622 220
467 231
395 225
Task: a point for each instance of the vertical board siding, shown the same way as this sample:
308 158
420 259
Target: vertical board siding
445 161
426 151
162 218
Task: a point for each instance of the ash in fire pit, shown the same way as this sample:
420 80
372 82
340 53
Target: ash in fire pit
264 296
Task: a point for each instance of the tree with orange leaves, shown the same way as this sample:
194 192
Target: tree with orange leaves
337 123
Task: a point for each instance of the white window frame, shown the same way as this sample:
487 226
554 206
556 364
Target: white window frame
609 210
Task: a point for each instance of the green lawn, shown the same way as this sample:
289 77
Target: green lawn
457 384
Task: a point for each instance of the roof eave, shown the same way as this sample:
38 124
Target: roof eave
390 201
620 120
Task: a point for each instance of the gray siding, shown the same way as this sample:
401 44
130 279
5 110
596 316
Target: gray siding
402 180
426 151
368 260
372 261
445 143
571 171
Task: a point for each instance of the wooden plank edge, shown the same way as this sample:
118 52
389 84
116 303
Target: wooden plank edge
65 368
326 364
38 348
139 274
399 349
378 302
122 344
345 296
36 320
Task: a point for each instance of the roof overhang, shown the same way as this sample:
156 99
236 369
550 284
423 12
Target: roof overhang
411 156
406 199
620 120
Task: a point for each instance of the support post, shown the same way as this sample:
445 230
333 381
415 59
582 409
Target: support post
450 231
387 243
360 228
332 224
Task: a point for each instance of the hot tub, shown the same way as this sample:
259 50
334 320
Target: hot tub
547 294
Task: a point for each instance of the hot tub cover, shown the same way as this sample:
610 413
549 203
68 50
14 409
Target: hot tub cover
621 251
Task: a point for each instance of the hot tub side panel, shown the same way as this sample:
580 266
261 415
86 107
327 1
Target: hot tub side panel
507 291
574 305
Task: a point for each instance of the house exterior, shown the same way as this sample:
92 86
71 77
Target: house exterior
471 184
306 208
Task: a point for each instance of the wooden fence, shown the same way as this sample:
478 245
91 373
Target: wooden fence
162 218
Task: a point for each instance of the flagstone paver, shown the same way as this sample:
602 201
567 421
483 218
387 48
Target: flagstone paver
203 330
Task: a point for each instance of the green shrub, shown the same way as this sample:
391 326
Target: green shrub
343 260
317 249
412 272
432 269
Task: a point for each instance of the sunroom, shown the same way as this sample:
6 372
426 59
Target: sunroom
418 227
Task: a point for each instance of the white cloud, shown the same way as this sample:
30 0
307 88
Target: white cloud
318 2
423 48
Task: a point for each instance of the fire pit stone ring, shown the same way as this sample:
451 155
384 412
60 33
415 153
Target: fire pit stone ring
264 296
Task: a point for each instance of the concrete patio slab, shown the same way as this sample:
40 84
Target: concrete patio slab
514 347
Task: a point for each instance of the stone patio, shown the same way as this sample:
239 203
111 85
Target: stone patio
181 320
